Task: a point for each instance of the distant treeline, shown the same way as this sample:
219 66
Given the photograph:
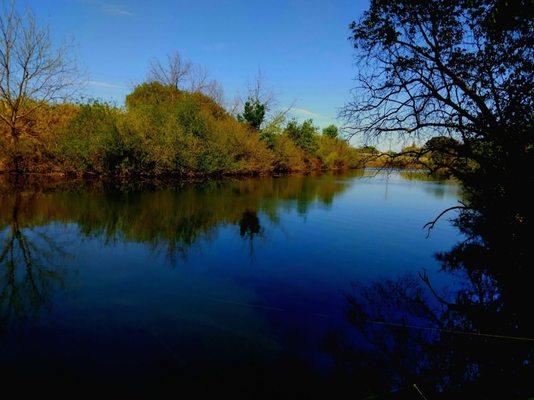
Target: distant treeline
430 156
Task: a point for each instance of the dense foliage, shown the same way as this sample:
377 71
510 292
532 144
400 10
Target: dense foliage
164 130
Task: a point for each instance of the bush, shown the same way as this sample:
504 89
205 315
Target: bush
38 141
288 156
162 131
331 131
336 153
91 142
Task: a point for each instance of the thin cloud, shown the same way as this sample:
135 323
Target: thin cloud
114 9
105 85
110 8
306 113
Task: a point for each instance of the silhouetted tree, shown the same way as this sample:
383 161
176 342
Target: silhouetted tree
462 70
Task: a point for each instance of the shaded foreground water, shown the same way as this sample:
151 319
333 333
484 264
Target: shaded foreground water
307 285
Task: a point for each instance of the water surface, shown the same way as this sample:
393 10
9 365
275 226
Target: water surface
215 283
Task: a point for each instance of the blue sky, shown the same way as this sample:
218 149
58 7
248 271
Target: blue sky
300 46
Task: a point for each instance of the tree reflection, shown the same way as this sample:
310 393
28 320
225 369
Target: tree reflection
172 220
29 272
475 341
249 229
169 220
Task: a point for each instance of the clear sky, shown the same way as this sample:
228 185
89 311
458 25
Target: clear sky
301 46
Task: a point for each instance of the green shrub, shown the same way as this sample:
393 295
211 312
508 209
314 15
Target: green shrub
303 135
331 131
336 153
288 156
91 141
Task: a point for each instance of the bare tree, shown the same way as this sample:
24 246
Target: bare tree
215 90
184 75
198 79
259 91
175 72
33 73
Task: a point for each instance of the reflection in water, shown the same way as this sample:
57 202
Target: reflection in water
249 225
175 219
28 270
474 340
168 220
249 228
215 318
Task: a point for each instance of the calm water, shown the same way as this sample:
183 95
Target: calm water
212 284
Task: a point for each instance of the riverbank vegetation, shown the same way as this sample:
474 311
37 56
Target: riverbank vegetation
164 130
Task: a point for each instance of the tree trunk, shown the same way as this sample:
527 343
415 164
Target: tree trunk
16 157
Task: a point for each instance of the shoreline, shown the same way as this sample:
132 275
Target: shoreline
43 182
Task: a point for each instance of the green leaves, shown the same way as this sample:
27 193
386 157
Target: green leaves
304 135
253 113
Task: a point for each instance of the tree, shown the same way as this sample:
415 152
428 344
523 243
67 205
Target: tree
253 113
183 74
257 92
458 69
331 131
175 72
463 71
260 92
304 135
442 152
33 73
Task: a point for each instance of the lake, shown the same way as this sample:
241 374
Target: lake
219 284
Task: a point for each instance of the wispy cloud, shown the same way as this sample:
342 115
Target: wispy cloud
110 8
306 113
105 85
114 9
